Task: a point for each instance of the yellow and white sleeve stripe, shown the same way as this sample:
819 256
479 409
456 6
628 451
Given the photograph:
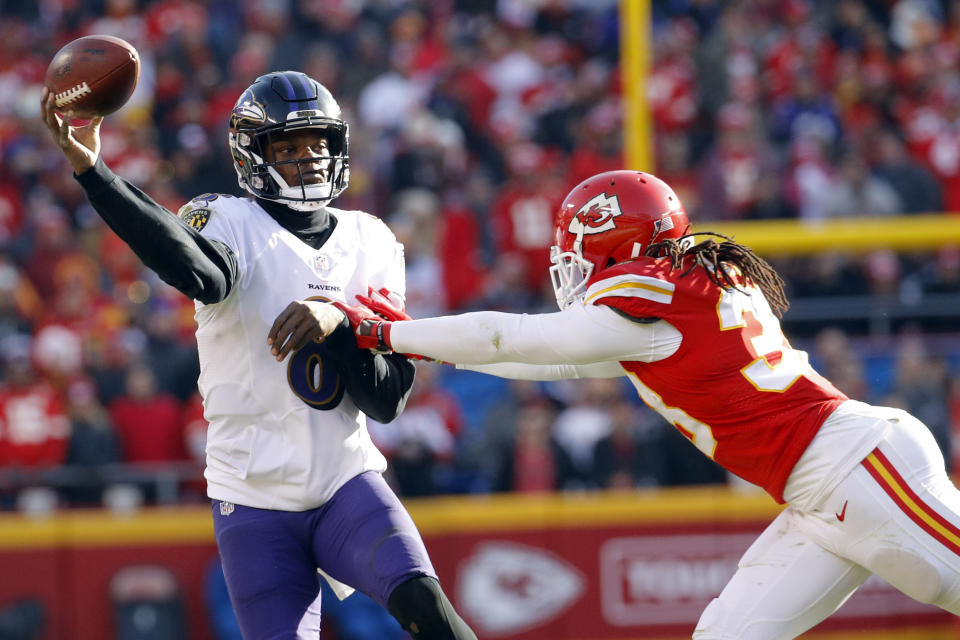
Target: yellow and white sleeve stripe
631 286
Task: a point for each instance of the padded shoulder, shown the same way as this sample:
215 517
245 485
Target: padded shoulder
363 220
645 278
198 211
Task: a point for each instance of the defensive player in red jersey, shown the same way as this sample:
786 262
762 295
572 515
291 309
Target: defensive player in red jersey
694 324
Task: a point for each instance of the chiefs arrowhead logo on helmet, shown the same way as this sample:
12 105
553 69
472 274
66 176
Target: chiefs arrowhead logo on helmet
596 215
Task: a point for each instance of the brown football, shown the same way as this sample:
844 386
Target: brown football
93 75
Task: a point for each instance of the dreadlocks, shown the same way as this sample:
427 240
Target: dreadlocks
715 256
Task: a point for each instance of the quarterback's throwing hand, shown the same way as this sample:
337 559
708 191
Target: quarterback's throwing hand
80 144
301 322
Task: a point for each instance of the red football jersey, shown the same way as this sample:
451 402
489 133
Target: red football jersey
34 429
735 387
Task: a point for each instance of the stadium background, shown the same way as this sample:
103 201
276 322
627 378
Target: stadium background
825 134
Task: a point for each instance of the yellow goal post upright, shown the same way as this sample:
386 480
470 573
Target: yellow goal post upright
774 237
635 61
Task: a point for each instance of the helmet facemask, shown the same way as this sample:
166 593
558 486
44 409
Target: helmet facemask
569 273
303 188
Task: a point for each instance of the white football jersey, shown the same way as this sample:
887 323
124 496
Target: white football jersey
283 435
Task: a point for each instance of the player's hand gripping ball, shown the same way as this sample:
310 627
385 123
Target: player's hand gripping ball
93 75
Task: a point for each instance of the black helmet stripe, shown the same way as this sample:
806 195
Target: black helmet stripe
301 92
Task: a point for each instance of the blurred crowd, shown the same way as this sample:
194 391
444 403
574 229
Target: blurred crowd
469 122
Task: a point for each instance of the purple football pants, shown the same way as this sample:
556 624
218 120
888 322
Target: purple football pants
362 537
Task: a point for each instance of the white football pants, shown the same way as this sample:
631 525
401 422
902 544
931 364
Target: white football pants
896 515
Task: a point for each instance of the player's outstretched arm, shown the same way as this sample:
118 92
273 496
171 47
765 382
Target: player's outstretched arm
576 336
201 268
525 371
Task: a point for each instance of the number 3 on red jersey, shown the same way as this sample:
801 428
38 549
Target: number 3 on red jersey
777 365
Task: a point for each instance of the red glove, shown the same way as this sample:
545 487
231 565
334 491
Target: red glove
383 305
371 331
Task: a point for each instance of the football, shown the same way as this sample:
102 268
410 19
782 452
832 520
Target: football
93 75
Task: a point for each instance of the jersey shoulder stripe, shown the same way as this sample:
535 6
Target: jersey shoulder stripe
629 285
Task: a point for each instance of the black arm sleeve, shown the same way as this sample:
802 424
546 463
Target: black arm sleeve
201 268
379 384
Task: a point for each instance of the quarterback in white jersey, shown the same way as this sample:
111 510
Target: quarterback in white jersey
283 435
294 479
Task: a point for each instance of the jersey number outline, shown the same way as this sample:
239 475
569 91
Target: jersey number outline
312 379
777 366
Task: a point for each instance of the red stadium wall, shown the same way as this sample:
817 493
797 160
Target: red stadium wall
591 566
69 559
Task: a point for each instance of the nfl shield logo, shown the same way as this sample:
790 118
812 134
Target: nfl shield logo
226 508
321 263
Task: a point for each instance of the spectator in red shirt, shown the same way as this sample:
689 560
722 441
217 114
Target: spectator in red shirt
535 462
672 88
731 178
944 151
801 45
195 440
460 254
524 209
149 423
34 428
953 400
53 240
195 428
11 210
462 84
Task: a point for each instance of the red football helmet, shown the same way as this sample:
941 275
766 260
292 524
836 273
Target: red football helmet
609 218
